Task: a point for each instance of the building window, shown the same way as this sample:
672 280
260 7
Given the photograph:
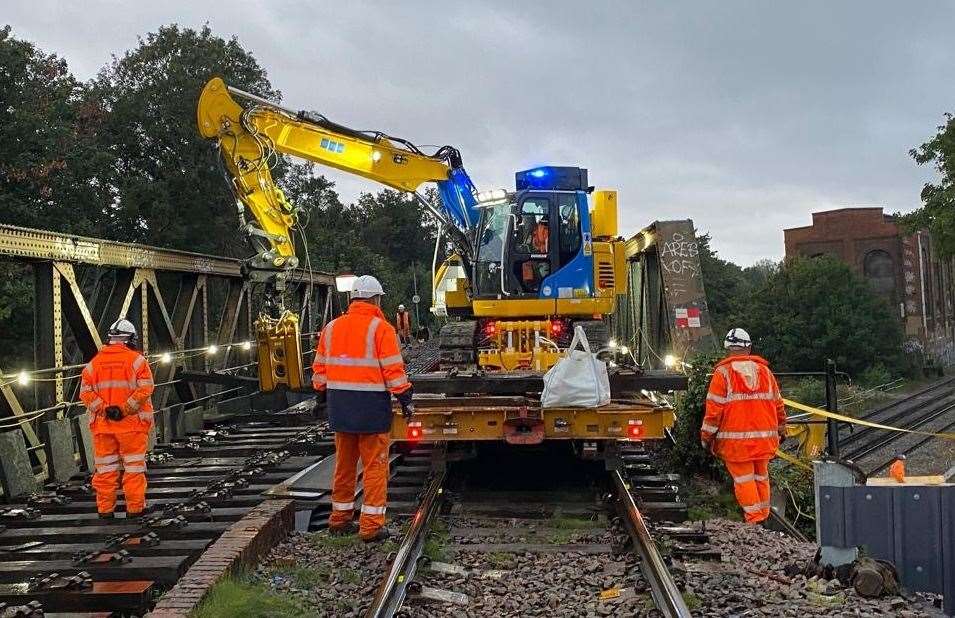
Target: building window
879 270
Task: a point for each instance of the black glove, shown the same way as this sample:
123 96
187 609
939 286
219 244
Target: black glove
321 398
114 413
407 407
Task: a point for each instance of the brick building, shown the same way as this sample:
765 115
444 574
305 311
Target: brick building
901 267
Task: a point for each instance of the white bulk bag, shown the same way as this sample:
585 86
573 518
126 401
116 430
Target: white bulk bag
578 379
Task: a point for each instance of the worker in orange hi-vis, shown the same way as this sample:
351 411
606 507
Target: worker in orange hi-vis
116 387
897 469
403 324
744 422
358 367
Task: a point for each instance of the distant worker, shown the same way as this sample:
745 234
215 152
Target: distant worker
744 422
116 387
897 469
403 325
358 366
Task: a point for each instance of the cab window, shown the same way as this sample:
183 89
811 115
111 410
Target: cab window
569 233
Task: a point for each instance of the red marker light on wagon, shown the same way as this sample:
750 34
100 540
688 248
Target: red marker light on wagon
634 429
414 431
556 327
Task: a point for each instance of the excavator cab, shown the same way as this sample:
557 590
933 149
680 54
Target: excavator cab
535 243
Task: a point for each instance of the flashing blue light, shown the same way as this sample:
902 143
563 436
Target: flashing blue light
539 173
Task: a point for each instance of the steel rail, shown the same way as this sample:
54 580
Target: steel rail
394 587
899 410
922 442
882 442
663 588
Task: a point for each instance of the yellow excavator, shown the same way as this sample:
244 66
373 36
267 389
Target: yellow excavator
527 264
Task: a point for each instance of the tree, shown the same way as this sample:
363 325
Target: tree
812 309
938 199
723 282
46 156
168 184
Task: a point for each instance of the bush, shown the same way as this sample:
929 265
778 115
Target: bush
876 375
687 454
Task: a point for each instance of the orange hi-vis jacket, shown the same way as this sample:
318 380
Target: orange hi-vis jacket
358 362
403 321
118 376
744 410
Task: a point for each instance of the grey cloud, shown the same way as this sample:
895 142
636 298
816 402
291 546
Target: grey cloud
745 116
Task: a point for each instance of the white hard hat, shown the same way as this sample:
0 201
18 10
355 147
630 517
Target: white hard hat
401 307
122 329
737 338
366 286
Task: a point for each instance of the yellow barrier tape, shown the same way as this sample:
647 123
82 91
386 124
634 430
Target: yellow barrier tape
859 421
793 460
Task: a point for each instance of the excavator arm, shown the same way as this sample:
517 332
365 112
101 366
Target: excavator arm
249 137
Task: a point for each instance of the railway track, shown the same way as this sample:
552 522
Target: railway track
56 555
915 412
525 534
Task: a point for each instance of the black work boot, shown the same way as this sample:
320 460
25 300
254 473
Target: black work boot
106 516
381 534
345 529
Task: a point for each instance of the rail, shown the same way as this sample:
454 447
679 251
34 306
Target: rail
393 589
666 595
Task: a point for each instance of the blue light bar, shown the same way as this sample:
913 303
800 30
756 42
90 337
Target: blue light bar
552 178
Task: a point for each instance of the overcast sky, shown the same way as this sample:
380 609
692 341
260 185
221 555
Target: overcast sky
744 116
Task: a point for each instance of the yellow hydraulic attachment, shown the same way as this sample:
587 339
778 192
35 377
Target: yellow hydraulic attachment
248 138
510 345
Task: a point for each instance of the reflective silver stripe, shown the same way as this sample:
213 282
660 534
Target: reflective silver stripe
709 428
96 404
723 371
373 510
396 382
130 384
106 459
370 339
343 506
716 398
144 382
351 362
752 397
742 435
320 358
355 386
391 360
132 403
756 508
85 388
133 469
760 477
318 378
328 337
744 479
129 458
138 363
108 468
145 416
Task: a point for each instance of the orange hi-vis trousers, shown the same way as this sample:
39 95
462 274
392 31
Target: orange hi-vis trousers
372 448
117 453
751 485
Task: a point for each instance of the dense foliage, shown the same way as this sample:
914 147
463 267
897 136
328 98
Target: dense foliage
687 453
119 157
938 199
